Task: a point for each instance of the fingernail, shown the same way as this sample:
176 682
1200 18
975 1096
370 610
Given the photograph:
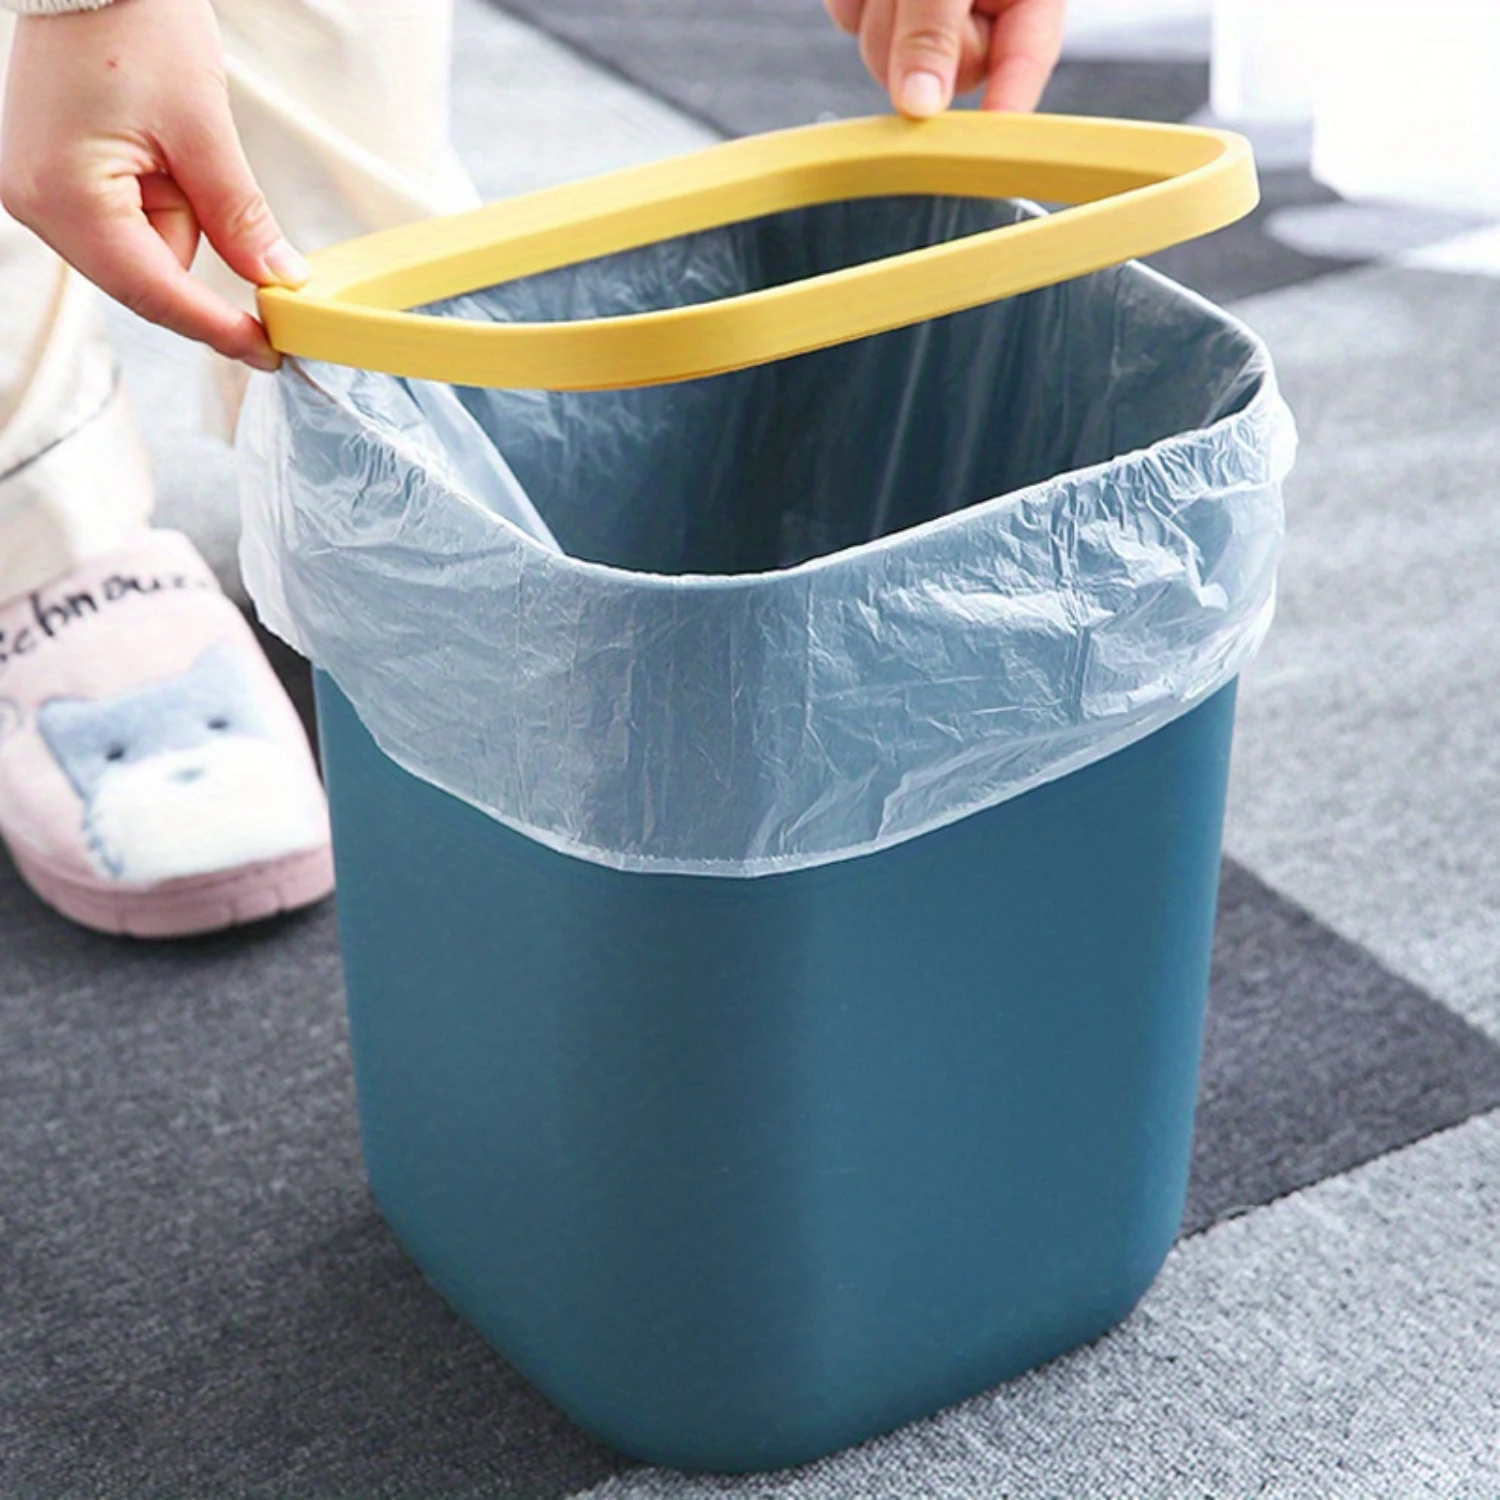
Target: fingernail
267 360
922 95
286 265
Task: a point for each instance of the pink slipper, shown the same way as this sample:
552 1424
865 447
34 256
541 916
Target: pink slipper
154 777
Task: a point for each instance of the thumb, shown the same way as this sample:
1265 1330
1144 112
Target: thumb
231 209
926 46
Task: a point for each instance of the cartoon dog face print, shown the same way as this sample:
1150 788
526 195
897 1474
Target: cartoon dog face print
182 776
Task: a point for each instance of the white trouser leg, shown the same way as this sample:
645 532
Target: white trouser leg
343 107
74 480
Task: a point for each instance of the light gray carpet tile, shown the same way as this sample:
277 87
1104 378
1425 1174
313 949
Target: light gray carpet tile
1367 231
1476 253
199 1298
529 112
1338 1345
1367 771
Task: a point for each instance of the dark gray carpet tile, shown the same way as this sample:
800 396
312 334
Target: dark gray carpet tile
778 63
1367 772
1133 89
1338 1345
1316 1058
197 1298
1244 260
782 63
739 68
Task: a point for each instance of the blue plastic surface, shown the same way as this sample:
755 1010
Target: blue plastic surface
739 1172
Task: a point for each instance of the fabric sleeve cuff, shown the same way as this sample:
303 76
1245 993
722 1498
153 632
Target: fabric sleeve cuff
52 7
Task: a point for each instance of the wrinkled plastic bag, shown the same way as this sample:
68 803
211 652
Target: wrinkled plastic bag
789 615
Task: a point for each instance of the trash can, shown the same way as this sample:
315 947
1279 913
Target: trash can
777 813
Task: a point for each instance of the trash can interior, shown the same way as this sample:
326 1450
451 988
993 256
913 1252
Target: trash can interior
767 467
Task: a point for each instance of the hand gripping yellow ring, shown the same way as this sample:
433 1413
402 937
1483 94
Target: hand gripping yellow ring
1140 187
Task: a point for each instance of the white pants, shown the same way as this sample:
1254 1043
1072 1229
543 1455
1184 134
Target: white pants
343 109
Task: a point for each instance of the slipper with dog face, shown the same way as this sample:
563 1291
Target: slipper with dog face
154 778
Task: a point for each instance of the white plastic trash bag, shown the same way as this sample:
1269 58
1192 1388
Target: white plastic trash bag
794 614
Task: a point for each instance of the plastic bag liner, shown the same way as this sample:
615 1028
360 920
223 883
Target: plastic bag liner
794 614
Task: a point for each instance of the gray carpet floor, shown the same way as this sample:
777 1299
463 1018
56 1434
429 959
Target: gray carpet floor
197 1295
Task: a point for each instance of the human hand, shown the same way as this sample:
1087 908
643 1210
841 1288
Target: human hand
926 51
118 149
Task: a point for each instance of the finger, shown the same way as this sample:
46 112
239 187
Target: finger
111 242
846 14
973 62
171 216
1025 42
210 167
876 25
927 43
877 34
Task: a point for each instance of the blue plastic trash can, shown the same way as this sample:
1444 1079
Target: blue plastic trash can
742 1172
777 902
